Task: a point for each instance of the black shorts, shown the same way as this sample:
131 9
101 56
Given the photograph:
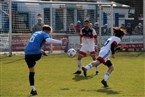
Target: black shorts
31 59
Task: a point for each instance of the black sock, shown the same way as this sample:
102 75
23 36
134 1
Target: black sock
31 78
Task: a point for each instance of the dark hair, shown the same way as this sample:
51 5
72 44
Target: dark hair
87 21
39 15
119 32
46 27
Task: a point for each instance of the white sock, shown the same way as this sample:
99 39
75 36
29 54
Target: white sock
106 76
79 65
89 66
97 68
33 88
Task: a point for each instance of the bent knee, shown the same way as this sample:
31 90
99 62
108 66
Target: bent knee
109 64
93 57
95 63
80 57
112 68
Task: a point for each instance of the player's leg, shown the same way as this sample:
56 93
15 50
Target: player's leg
79 63
96 63
93 55
104 57
31 80
90 65
82 53
31 61
106 76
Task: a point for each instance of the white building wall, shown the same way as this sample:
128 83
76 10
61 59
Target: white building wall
32 9
35 8
121 11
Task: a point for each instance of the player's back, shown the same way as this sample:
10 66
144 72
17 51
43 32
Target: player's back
35 42
108 43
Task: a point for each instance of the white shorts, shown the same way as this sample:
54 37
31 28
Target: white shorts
87 48
104 55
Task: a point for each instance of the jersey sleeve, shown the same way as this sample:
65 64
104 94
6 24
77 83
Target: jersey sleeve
81 34
46 36
94 33
50 40
114 45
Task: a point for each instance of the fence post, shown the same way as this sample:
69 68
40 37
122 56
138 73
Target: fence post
112 19
10 28
144 23
51 24
100 24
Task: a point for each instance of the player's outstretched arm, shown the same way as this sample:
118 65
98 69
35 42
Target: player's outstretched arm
50 40
62 41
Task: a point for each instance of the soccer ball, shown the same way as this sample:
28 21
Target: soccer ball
71 52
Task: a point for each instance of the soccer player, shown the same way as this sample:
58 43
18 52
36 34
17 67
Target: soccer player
88 39
108 49
33 51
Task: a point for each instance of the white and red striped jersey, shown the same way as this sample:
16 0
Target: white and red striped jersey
112 40
88 36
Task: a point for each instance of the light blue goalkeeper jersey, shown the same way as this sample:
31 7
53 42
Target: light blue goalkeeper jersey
35 42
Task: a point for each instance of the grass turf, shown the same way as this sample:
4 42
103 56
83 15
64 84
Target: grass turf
54 77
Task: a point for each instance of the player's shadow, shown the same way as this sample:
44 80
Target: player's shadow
108 91
65 89
31 96
81 77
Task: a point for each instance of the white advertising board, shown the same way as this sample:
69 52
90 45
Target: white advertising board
135 41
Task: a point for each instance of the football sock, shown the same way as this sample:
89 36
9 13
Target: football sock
31 78
79 65
106 76
89 66
96 68
33 88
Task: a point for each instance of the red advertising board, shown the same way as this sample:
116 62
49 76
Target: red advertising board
19 42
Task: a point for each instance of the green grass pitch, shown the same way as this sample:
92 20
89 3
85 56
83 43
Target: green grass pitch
54 77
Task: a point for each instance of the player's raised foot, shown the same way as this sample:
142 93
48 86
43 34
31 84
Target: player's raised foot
77 72
104 83
97 72
84 71
33 93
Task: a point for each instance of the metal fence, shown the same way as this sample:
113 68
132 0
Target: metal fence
19 17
